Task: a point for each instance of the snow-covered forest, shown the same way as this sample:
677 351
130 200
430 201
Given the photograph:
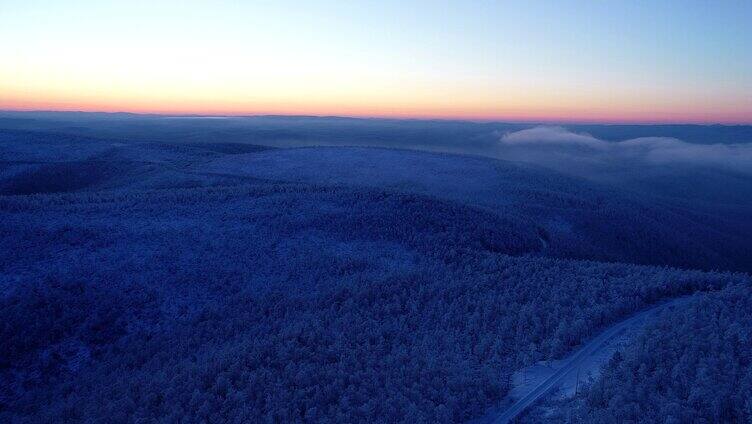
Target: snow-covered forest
690 365
217 283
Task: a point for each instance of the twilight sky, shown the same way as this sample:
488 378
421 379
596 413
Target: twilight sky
595 61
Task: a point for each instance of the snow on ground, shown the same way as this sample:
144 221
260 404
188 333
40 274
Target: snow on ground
527 379
490 182
584 365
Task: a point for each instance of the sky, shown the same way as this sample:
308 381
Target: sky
564 61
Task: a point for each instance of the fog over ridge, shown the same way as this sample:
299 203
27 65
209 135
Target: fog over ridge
553 143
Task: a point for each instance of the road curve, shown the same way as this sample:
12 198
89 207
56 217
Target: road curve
577 358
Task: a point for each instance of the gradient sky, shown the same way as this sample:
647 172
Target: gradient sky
613 61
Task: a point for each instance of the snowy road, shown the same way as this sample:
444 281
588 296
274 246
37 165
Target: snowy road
580 357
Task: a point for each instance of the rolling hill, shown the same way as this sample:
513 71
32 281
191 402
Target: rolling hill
180 282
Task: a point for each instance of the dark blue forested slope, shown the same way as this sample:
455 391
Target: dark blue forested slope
284 302
190 283
695 365
571 217
690 365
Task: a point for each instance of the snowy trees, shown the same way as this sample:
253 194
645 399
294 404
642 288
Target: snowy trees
227 299
286 303
694 364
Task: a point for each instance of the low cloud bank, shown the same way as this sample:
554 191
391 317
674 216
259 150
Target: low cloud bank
551 144
551 136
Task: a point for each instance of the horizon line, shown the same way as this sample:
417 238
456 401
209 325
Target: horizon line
479 120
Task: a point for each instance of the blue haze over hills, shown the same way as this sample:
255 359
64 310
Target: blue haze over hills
323 269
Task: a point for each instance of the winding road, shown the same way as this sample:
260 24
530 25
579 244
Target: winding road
578 357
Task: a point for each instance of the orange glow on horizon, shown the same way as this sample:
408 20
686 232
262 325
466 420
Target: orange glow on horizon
256 58
231 91
441 112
